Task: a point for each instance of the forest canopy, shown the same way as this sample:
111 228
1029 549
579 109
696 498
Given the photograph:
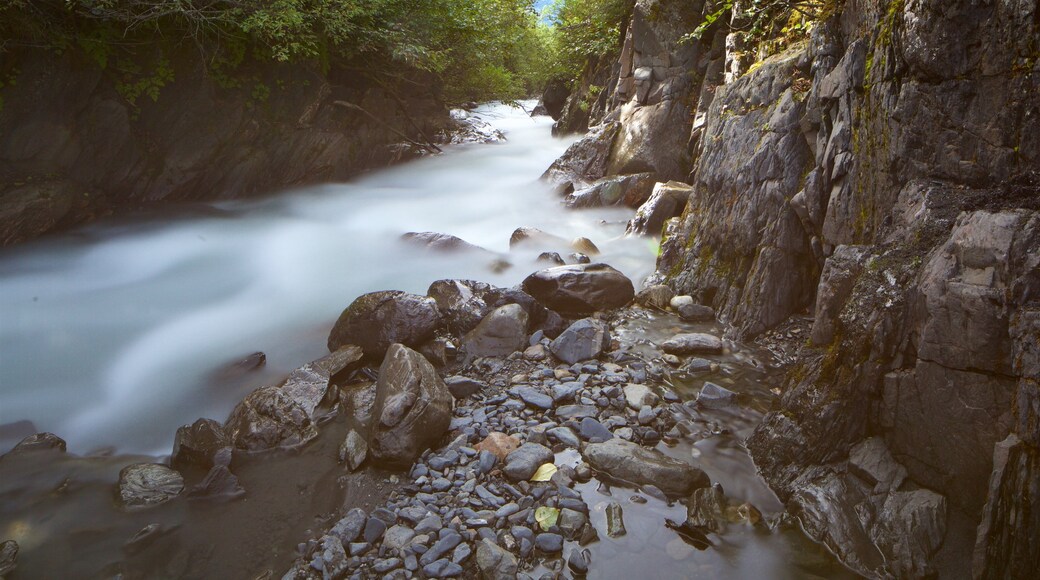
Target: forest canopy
479 49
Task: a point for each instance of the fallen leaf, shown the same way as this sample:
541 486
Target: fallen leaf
546 517
544 473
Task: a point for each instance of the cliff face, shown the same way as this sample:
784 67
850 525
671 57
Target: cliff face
73 146
883 177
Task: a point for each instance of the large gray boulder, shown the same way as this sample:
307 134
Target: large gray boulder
495 562
525 461
631 190
585 339
501 333
376 320
412 409
148 484
462 303
285 415
198 444
639 465
666 201
580 288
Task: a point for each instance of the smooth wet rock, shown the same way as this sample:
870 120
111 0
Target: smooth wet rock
637 464
584 340
534 237
585 246
8 557
571 522
353 450
697 365
696 313
463 387
565 435
615 520
197 445
376 320
578 561
148 484
412 409
494 562
693 343
549 543
551 258
706 509
666 201
656 297
713 396
39 442
580 289
522 463
462 303
500 333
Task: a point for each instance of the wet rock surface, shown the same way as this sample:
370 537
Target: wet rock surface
148 484
580 289
377 320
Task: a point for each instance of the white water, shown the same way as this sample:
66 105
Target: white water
109 335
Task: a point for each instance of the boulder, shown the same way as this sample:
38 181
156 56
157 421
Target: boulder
494 562
580 289
713 396
657 297
666 201
554 97
522 463
696 313
534 237
38 442
148 484
500 333
8 557
412 407
440 242
353 450
376 320
584 340
198 444
631 462
873 462
461 387
693 343
630 190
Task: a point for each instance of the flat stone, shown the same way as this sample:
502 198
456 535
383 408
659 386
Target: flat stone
498 444
583 340
463 387
693 343
634 463
148 484
535 398
615 520
593 430
550 543
398 537
494 562
443 568
522 463
565 412
500 333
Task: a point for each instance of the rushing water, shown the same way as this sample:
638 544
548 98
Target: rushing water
111 334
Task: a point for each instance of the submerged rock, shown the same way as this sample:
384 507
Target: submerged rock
412 407
634 463
376 320
353 450
713 396
219 484
198 444
580 289
148 484
692 343
38 442
615 520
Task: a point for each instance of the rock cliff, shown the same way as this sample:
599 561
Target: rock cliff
880 175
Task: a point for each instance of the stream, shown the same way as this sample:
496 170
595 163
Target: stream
116 334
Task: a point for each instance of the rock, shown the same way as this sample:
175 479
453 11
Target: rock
522 463
631 462
580 289
443 568
551 258
580 258
535 353
566 436
584 161
374 529
666 201
219 484
713 396
412 407
440 242
197 445
697 365
449 538
500 333
584 340
638 396
8 557
537 238
462 387
353 450
462 303
498 444
494 562
349 528
535 398
38 442
706 509
594 431
576 411
578 561
679 301
872 461
585 246
692 343
376 320
657 297
554 97
549 543
630 190
696 313
840 272
148 484
615 520
242 367
571 522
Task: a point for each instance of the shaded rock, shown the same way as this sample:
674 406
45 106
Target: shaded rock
498 444
376 320
8 557
353 450
554 97
494 562
713 396
657 297
615 520
522 463
442 568
220 484
461 387
584 340
631 190
374 529
571 522
549 543
580 289
39 442
585 246
198 444
706 509
500 333
412 407
565 435
246 365
696 313
349 527
534 397
552 258
576 411
594 431
398 537
872 461
692 343
585 161
148 484
840 272
630 462
666 201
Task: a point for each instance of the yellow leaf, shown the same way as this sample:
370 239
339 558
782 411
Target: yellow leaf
544 473
546 517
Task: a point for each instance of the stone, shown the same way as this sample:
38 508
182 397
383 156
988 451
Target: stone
713 396
615 520
594 431
144 485
630 190
697 365
8 557
638 396
449 538
349 527
535 398
585 246
666 201
412 408
871 460
500 333
442 568
549 543
376 320
463 387
534 237
551 258
39 442
580 289
196 445
374 529
680 300
578 561
219 484
571 522
631 462
565 412
353 450
494 562
656 297
584 340
397 537
706 509
840 272
696 313
462 303
440 242
522 463
498 444
565 436
692 343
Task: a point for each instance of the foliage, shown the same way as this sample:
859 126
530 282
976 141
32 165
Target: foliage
760 20
584 31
